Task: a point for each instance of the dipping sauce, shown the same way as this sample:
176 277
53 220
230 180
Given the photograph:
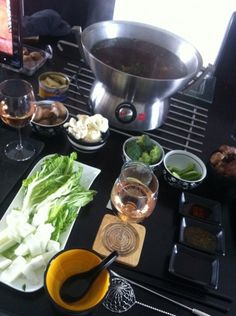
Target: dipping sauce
139 58
200 211
200 238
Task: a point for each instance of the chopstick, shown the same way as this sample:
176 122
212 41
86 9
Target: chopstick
223 297
192 310
219 296
171 291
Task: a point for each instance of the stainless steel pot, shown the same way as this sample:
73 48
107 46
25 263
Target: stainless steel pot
128 101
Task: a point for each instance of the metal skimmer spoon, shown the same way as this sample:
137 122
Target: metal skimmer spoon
194 311
121 298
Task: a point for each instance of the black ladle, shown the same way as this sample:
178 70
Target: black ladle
76 286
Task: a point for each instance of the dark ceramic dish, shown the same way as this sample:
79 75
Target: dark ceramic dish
194 266
202 236
200 208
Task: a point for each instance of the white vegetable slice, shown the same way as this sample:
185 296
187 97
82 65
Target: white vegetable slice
31 276
30 270
48 255
4 262
16 217
53 245
15 220
43 235
7 244
33 244
14 270
35 263
4 236
21 250
25 229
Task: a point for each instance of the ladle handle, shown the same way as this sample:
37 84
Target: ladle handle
77 30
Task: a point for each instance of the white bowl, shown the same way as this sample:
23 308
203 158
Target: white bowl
180 159
126 158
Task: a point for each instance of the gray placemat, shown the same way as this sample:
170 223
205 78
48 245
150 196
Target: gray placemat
11 171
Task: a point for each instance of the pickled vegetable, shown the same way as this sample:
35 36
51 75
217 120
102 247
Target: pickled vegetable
189 173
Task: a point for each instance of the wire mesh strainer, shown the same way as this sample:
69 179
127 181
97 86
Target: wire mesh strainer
121 298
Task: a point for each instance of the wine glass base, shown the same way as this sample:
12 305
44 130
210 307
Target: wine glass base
120 237
15 152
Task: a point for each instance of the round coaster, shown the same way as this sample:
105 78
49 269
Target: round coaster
120 237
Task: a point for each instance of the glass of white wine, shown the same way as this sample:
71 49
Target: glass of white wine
17 106
133 197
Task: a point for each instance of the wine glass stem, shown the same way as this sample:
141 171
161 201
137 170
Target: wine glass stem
19 145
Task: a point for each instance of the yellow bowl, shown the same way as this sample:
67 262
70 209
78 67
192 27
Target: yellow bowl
66 264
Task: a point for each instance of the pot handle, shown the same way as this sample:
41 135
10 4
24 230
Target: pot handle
77 30
202 75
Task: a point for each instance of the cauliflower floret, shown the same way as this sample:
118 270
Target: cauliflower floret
72 123
93 136
100 122
87 128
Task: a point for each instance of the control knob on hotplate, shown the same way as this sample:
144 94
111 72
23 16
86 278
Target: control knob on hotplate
125 112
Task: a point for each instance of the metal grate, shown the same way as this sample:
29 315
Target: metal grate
185 127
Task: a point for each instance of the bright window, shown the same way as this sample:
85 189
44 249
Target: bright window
201 22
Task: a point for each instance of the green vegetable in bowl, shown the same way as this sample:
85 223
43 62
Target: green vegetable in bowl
145 142
189 173
143 149
133 150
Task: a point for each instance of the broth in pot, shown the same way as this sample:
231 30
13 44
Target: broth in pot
139 58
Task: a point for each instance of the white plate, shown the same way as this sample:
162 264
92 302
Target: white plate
88 176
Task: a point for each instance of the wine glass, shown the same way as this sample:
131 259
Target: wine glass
17 106
133 196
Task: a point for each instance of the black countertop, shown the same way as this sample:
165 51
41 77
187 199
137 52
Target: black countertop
162 226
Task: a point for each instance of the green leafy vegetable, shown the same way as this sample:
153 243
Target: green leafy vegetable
61 206
55 171
133 150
